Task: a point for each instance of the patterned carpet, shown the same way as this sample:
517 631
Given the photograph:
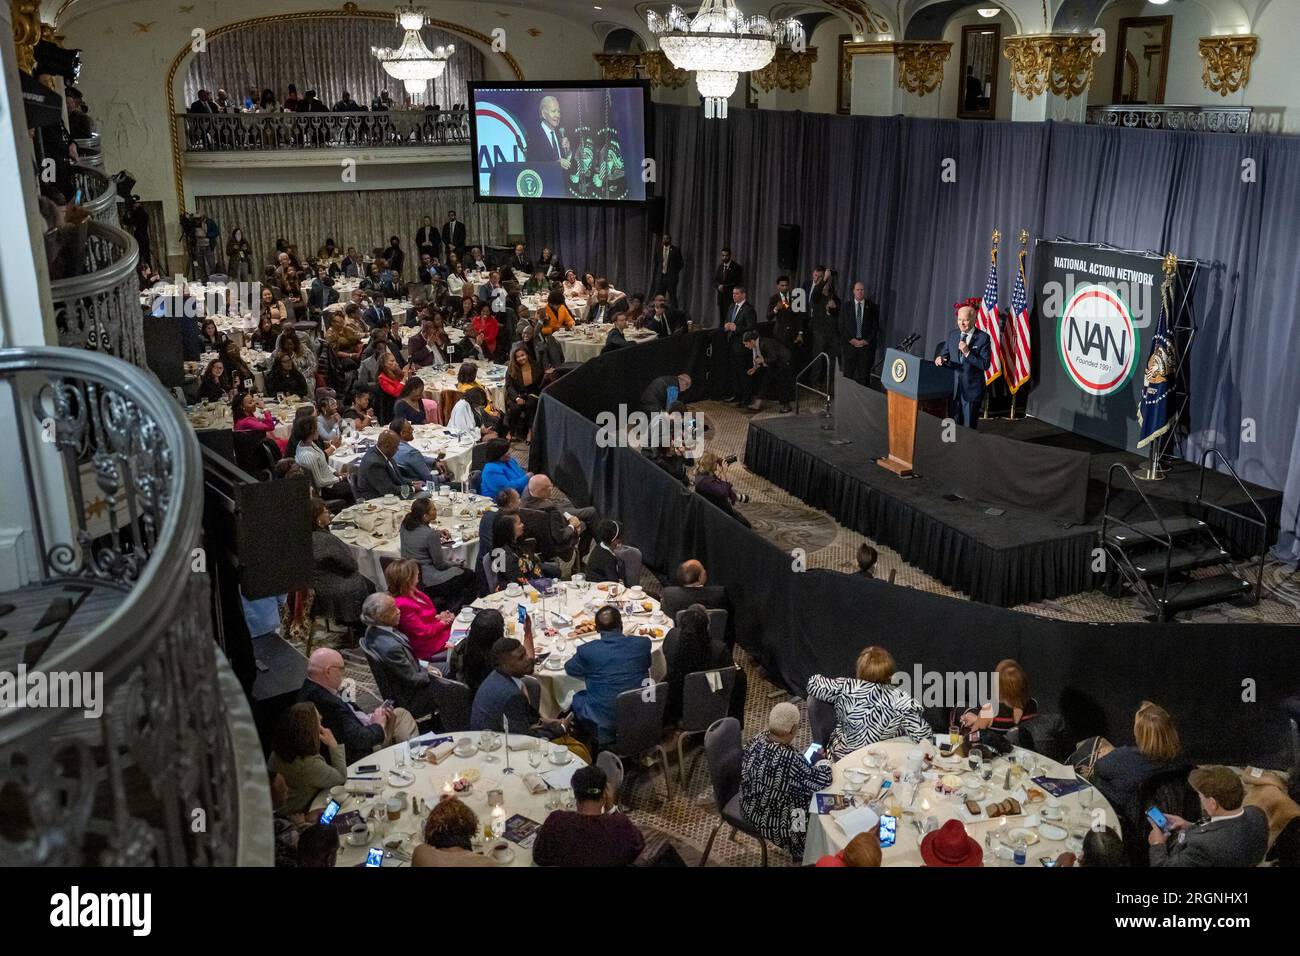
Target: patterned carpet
687 819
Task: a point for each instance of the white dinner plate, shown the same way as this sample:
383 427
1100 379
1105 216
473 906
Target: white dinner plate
1051 831
1022 833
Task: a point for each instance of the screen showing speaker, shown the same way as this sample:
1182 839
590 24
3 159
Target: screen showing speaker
558 141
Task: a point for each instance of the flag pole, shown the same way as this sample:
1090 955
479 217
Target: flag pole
993 259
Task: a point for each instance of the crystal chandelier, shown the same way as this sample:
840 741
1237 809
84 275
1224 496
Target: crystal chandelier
720 43
413 63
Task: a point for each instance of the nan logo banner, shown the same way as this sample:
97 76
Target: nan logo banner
1097 340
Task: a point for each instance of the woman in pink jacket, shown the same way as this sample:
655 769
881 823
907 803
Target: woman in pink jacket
425 628
248 418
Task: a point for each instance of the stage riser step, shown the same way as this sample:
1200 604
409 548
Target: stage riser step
1124 535
1187 558
1202 592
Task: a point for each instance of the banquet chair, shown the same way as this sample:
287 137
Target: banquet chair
447 400
702 707
489 575
216 278
614 774
639 728
722 751
454 703
717 627
473 483
821 719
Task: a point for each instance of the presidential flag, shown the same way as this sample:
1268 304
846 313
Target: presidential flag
1018 332
1158 379
989 322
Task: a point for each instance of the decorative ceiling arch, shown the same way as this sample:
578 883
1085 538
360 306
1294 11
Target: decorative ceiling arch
929 20
347 10
1228 16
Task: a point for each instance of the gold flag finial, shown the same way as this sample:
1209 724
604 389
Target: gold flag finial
1024 236
997 236
1170 263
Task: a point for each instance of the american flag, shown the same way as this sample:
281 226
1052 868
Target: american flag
1018 332
989 323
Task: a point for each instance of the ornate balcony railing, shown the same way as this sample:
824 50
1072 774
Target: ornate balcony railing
89 153
240 132
98 193
99 309
171 772
1199 119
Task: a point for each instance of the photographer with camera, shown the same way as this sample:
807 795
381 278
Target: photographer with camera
712 485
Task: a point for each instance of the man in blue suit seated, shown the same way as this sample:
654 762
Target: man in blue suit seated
969 351
611 665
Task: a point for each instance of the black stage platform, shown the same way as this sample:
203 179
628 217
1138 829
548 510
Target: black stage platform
1016 557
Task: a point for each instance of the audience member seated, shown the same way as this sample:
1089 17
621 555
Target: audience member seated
212 386
1283 821
862 850
516 566
867 558
688 649
711 484
315 461
469 416
562 532
338 585
1101 848
595 834
610 559
471 659
556 315
617 339
500 470
1014 702
869 708
409 404
443 578
1232 836
426 628
1120 772
507 502
412 685
412 466
296 756
693 587
359 733
777 784
318 846
614 663
358 411
283 378
377 473
449 832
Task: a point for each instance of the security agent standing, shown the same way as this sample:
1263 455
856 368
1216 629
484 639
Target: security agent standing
968 350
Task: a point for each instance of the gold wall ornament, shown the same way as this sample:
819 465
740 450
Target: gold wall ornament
1227 62
863 18
659 70
1057 63
788 71
920 64
617 66
26 15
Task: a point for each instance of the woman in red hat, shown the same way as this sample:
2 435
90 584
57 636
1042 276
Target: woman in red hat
950 846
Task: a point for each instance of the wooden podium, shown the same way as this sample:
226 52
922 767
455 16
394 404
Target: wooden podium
912 383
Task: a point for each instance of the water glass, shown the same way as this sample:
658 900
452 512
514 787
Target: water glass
535 755
976 761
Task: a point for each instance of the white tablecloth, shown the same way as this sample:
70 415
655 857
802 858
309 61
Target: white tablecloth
428 786
577 603
586 341
825 835
490 375
378 534
217 416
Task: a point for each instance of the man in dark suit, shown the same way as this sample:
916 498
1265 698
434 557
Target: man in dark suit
377 473
663 319
378 313
616 339
736 321
969 351
602 308
726 277
558 535
519 260
204 103
859 332
769 372
789 327
503 693
411 685
1233 835
453 233
658 394
322 292
668 269
427 238
547 141
359 733
693 587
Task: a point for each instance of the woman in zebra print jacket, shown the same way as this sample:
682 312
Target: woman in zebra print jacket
868 708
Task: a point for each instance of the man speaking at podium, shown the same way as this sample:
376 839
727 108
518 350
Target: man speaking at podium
969 351
549 144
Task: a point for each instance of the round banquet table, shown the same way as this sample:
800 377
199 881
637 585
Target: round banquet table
217 416
587 341
576 602
428 785
377 532
429 440
826 836
490 375
256 360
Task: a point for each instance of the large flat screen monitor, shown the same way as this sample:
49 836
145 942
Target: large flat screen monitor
569 142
